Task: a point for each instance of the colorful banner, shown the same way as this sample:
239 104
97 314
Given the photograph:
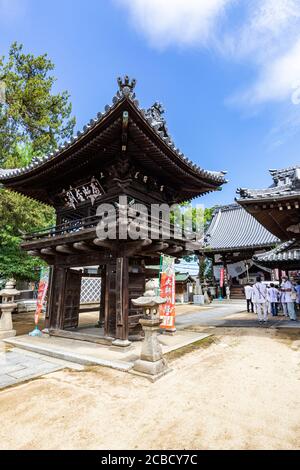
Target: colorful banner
222 273
167 291
42 291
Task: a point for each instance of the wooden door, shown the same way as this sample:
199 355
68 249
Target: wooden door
72 299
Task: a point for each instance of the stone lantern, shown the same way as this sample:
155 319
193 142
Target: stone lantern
7 306
151 363
205 292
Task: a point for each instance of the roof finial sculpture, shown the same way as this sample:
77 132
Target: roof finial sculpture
155 115
126 86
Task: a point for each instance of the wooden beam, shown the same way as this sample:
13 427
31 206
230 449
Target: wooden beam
193 246
159 246
110 245
33 253
133 247
174 249
48 252
83 246
65 249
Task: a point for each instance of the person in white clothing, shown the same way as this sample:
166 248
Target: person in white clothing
287 300
248 294
273 295
260 300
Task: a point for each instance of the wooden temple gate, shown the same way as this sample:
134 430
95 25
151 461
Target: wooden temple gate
125 152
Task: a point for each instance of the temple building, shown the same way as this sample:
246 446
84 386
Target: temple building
277 208
232 239
124 152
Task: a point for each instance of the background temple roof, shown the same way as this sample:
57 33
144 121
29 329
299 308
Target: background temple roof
286 182
234 228
286 253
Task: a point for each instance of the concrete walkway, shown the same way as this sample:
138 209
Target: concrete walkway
85 353
212 316
18 366
230 315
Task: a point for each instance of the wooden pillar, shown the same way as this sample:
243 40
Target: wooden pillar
49 298
107 299
225 275
122 298
102 297
56 298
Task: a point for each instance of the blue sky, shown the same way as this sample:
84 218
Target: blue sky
227 71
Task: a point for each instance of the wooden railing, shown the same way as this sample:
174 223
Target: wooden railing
156 225
63 229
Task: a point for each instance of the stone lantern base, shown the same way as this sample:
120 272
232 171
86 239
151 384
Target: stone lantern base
151 364
7 334
6 325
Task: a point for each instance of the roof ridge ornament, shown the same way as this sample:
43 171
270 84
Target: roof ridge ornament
126 86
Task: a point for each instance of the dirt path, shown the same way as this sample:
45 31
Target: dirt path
242 392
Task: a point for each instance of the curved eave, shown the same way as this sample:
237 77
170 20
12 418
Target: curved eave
232 249
209 181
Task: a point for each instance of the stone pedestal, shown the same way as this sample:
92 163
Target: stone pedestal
6 308
6 324
151 361
199 300
121 345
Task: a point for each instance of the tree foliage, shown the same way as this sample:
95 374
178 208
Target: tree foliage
205 268
31 115
33 121
19 215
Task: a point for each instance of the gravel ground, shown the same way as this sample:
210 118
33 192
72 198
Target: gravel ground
242 391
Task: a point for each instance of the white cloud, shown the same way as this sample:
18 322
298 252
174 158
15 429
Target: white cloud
180 22
268 26
262 33
278 80
270 40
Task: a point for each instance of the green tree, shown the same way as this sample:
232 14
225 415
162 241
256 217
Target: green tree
19 215
33 121
204 265
31 115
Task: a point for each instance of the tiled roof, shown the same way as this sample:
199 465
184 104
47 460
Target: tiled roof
153 116
4 172
183 277
286 183
234 228
286 252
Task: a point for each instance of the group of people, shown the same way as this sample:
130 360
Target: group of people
265 299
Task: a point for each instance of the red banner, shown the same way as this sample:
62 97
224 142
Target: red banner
43 286
222 275
167 291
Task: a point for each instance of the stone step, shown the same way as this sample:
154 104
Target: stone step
60 353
